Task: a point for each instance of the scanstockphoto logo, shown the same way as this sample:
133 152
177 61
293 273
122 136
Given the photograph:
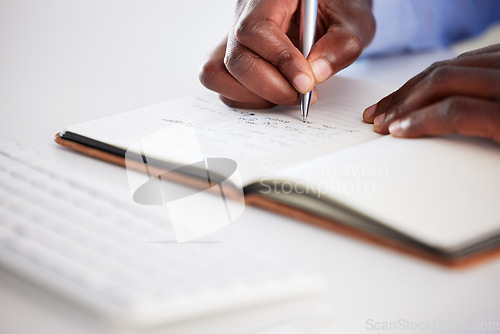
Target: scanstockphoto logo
359 177
214 198
403 325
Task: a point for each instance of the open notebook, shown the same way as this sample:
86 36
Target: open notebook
434 197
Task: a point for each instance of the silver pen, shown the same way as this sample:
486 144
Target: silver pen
308 17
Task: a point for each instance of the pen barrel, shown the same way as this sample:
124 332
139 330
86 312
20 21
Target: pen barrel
308 17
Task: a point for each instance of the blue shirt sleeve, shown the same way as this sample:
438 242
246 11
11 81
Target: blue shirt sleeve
416 25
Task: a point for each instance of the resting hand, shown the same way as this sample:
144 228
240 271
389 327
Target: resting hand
259 64
461 95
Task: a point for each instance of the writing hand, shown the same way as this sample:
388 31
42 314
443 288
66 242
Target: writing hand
461 95
259 64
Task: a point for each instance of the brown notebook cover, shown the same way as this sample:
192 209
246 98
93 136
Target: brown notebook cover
314 219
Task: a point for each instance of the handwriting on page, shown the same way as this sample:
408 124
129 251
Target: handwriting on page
249 136
245 134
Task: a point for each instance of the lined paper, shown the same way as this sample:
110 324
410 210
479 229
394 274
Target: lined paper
258 140
441 191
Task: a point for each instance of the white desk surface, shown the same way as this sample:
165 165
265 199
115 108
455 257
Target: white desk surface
63 62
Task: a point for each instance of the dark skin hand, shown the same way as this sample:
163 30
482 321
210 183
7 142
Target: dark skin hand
461 95
259 64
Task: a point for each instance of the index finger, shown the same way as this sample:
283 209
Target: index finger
262 28
479 60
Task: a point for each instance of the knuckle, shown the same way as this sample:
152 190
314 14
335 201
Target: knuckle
242 30
444 111
400 109
248 30
449 110
465 54
209 71
441 74
354 46
347 41
281 57
455 103
434 66
240 63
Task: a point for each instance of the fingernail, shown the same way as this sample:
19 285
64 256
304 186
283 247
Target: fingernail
302 83
368 113
379 120
321 69
398 128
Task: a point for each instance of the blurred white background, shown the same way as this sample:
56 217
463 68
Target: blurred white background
64 62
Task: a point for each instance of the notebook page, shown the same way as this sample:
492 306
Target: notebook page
260 141
443 191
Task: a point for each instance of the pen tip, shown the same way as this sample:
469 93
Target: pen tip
305 102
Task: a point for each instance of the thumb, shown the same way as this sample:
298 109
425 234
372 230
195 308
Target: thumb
336 50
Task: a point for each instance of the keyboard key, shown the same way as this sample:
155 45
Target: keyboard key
64 232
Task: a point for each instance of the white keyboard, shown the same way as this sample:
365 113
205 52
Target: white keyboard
86 244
